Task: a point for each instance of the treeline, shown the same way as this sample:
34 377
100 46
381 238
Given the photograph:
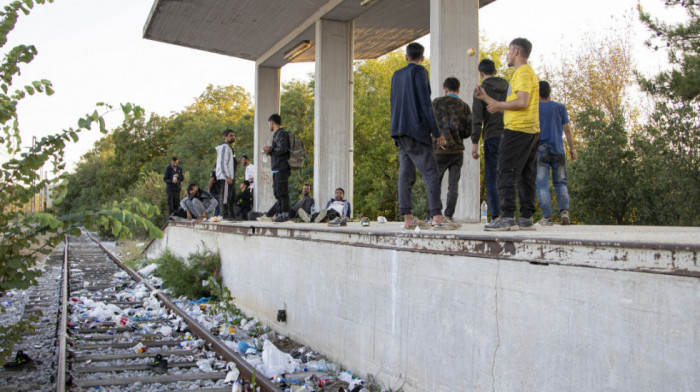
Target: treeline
634 166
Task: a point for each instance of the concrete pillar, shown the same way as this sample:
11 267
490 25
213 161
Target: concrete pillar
333 126
454 28
267 102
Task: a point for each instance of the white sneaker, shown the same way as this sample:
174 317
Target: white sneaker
303 215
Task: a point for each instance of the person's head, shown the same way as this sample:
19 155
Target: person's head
518 51
174 162
306 190
245 160
451 85
229 136
245 184
339 194
414 52
275 121
545 89
487 68
192 189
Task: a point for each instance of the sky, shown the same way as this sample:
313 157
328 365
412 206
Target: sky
94 51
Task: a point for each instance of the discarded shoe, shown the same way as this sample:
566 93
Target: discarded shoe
321 216
159 365
364 222
337 222
303 215
565 220
21 361
502 224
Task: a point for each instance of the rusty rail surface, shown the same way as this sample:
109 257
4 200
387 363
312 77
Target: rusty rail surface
63 323
247 371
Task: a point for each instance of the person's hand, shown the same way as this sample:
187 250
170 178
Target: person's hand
229 180
574 155
266 149
479 93
440 141
475 151
495 107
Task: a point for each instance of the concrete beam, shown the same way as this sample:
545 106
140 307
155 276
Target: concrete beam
454 28
267 102
333 125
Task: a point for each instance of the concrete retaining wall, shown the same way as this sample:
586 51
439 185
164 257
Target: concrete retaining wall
431 321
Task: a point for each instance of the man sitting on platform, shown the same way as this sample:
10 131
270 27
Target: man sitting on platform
338 210
198 203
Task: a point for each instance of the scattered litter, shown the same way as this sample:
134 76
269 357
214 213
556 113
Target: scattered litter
148 270
140 348
275 361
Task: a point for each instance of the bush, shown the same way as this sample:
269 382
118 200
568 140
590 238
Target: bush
187 277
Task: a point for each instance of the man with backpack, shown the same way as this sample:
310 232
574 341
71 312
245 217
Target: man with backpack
279 153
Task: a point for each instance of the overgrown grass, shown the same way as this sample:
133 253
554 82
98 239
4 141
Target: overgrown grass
131 252
191 277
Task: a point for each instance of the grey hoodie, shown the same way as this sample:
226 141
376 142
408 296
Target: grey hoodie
491 125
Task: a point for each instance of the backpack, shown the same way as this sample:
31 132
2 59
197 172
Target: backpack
297 152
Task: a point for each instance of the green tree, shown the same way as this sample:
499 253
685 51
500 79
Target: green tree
669 188
25 235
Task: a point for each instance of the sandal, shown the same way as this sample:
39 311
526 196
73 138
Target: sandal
446 224
417 223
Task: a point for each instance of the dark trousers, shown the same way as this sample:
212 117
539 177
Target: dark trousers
491 174
173 197
453 163
280 187
412 155
517 167
227 199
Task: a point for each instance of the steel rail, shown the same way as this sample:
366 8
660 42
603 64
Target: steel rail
247 371
62 325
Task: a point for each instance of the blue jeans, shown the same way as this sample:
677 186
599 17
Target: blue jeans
490 172
557 163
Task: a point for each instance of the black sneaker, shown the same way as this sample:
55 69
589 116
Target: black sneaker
337 222
526 224
502 224
21 361
159 365
321 216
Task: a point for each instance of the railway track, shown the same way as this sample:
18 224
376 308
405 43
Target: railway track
118 333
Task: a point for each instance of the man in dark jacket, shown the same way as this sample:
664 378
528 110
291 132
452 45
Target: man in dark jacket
198 204
279 152
489 126
244 201
412 127
455 120
173 176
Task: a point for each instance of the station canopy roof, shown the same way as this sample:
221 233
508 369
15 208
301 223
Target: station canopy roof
265 30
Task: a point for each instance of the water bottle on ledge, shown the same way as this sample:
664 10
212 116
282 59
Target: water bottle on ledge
484 207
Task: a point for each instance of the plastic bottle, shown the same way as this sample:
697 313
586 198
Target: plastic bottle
484 207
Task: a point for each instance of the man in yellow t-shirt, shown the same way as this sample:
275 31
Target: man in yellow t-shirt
517 156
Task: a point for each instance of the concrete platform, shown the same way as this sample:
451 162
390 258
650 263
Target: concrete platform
562 308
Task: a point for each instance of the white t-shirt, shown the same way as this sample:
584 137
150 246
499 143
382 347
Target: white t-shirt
250 173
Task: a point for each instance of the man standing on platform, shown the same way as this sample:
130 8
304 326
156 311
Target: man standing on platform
489 127
225 173
455 121
517 157
249 171
412 124
279 152
173 178
554 123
